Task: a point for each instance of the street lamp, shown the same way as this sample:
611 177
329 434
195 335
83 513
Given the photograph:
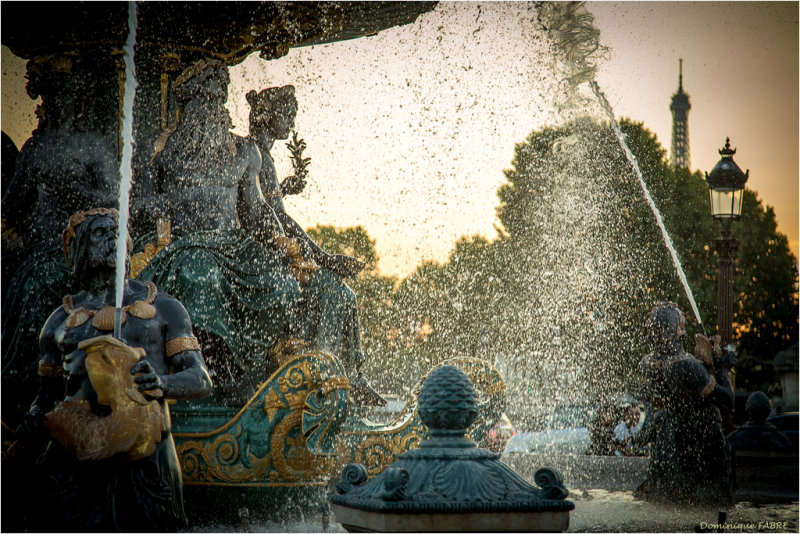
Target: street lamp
726 187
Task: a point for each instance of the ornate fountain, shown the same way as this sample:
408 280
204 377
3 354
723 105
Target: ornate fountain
297 428
75 50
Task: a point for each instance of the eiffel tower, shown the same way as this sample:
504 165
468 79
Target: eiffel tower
680 125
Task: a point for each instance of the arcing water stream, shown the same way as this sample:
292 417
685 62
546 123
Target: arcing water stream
635 164
125 164
574 36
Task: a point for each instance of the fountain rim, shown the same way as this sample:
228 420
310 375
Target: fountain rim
262 31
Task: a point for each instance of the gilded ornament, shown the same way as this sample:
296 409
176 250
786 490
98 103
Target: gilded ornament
140 260
142 310
296 400
303 270
77 318
180 344
265 443
50 370
103 319
337 382
134 425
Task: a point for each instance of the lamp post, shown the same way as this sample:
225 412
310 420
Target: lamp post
726 187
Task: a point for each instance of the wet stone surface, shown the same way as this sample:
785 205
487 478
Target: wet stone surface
608 511
617 511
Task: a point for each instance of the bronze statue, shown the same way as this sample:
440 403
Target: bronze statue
235 264
67 165
223 264
113 464
690 460
330 306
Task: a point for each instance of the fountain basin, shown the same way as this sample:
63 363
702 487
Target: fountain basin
611 473
362 521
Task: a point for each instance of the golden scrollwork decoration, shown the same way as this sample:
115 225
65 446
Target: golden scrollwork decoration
378 446
278 438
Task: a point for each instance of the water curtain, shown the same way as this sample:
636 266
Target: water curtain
125 165
572 31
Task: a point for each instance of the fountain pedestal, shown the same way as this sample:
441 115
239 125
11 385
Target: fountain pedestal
448 483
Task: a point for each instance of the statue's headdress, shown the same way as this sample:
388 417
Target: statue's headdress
196 69
264 102
666 323
198 72
76 220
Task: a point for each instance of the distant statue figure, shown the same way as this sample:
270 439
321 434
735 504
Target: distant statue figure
331 310
758 434
65 166
690 461
113 464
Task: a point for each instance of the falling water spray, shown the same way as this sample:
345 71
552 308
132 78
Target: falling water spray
635 164
125 166
572 31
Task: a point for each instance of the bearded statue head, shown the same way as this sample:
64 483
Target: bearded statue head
85 252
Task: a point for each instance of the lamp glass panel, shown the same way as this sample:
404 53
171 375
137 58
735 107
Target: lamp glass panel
726 203
736 207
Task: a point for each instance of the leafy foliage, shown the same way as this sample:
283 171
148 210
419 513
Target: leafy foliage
558 299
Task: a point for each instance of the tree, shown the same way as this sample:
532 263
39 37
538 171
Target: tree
588 257
558 300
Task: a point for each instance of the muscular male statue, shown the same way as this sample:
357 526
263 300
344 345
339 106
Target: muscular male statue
112 465
329 305
690 461
231 264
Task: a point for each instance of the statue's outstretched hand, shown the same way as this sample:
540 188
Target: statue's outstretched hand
149 382
293 185
344 266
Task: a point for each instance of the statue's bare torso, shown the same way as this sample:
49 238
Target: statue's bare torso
213 197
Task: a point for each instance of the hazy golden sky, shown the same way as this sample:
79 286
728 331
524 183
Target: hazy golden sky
410 130
740 69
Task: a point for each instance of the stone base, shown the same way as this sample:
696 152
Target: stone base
354 520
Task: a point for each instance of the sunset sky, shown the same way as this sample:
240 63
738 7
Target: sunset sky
409 131
740 69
